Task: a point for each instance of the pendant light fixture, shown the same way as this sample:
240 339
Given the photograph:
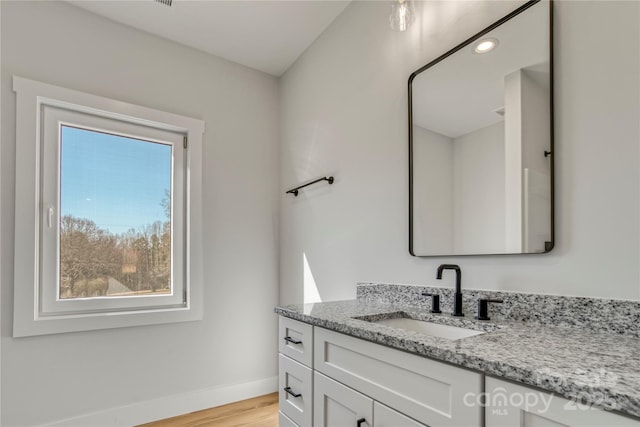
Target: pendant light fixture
402 14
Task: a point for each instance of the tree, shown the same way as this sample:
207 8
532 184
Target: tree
87 253
166 203
139 259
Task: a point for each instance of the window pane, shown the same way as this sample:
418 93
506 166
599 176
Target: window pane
115 219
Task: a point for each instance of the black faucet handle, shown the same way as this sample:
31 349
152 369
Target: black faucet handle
435 302
483 308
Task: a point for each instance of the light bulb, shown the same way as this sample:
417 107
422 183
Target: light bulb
485 45
402 14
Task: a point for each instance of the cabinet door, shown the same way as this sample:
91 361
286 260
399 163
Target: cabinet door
284 421
386 417
511 405
336 405
296 397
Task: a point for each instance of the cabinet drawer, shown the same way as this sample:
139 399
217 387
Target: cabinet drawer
428 391
387 417
284 421
510 404
295 339
296 391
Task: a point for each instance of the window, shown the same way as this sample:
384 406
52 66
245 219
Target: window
105 218
115 224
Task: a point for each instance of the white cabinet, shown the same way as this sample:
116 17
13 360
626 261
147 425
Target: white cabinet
296 390
387 417
328 379
511 405
295 376
428 391
295 340
284 421
336 405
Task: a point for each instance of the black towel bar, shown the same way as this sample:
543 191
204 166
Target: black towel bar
294 191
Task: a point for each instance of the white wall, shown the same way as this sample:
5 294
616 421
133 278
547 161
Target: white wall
433 189
513 120
535 116
478 202
231 353
454 187
526 118
344 112
536 167
1 227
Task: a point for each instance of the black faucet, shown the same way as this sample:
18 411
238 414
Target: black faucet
483 308
457 299
435 302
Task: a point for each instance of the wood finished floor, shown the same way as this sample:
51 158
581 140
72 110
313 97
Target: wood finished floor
260 411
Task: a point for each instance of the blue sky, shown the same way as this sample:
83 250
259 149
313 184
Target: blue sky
115 181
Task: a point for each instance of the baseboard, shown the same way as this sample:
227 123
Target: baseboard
172 405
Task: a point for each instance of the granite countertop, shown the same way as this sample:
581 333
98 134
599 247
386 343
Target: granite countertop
598 368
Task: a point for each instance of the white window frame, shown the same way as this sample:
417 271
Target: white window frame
53 118
40 111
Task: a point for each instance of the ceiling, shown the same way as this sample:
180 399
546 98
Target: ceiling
266 35
462 93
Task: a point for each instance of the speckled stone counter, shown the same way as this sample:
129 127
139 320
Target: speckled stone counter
594 314
596 367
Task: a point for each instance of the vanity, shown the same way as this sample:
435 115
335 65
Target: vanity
481 183
343 364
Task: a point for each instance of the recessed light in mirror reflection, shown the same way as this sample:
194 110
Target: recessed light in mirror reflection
485 45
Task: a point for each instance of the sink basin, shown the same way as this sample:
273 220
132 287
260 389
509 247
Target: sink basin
429 328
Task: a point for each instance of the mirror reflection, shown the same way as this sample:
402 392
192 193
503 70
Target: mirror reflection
481 142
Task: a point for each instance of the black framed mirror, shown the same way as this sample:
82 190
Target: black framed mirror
481 149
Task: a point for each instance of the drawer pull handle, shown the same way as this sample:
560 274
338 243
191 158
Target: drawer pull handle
288 390
360 421
292 341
